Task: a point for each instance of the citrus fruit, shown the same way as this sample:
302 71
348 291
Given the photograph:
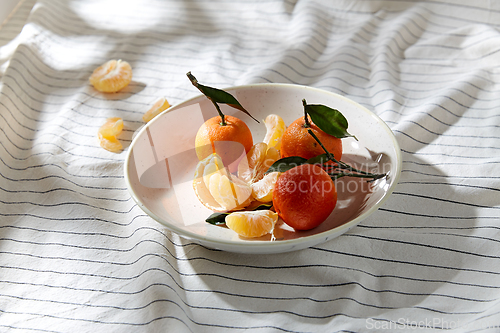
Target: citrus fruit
108 132
296 141
159 105
275 127
112 127
217 189
110 144
304 196
112 76
262 190
230 141
252 223
257 161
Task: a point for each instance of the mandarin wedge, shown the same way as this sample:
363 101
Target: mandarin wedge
275 127
252 223
217 189
110 144
263 189
258 160
112 127
108 132
158 106
112 76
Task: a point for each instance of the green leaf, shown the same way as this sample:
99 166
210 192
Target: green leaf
263 207
286 163
329 120
217 218
218 95
220 218
320 159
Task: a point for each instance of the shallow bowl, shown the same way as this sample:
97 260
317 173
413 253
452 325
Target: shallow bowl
160 164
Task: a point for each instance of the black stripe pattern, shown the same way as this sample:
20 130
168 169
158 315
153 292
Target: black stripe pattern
77 254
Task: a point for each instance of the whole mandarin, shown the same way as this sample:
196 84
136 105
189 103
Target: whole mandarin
213 137
297 141
304 196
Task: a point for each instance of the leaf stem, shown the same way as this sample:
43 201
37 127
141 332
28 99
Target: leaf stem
194 81
306 120
330 156
222 116
342 165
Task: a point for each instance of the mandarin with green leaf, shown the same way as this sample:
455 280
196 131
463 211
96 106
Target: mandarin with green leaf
215 137
296 141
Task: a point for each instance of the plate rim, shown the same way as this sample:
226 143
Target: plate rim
261 246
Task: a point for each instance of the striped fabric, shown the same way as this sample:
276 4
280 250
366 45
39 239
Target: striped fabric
78 255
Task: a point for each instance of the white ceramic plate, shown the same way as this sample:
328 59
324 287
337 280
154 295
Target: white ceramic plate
160 164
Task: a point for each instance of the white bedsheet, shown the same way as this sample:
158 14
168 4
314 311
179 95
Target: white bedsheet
78 255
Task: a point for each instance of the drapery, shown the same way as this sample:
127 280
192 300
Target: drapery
78 255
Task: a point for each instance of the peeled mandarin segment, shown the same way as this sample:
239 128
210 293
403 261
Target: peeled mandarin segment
252 223
112 76
209 170
242 191
111 144
112 127
215 160
248 166
263 189
272 155
218 163
275 126
256 154
214 164
160 105
230 194
201 189
220 188
258 161
100 72
107 134
217 189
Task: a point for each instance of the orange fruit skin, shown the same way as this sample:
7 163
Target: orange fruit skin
212 131
296 141
304 196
